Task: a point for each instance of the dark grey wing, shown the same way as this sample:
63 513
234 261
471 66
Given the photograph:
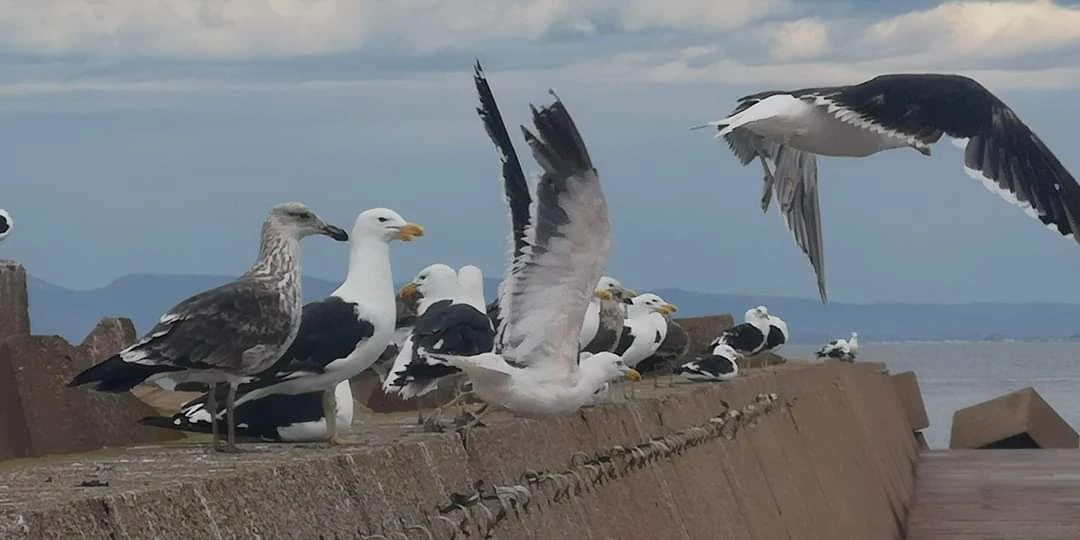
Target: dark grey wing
260 418
213 329
744 338
446 328
515 187
610 328
330 329
1001 150
549 287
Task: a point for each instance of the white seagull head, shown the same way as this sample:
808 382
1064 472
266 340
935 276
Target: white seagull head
607 367
652 303
385 224
434 283
759 313
470 281
299 221
609 288
6 224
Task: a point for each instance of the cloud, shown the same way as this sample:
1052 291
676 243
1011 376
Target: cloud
797 40
980 29
250 28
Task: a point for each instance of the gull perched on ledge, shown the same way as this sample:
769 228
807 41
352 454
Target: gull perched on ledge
227 333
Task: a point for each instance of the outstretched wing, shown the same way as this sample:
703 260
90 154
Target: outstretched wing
551 282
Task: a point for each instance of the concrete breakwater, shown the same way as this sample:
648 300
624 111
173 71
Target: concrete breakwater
832 457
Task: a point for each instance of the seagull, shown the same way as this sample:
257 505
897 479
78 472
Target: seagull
276 417
645 328
675 346
343 334
457 325
719 365
435 285
784 130
605 316
534 370
841 349
748 338
228 333
6 224
778 332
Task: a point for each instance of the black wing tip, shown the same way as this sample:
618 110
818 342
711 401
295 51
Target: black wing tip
558 145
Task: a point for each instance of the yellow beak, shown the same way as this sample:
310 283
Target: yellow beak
633 375
409 291
603 294
668 309
410 231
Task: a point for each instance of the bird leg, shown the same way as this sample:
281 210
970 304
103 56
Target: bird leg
419 410
211 407
476 416
230 422
329 408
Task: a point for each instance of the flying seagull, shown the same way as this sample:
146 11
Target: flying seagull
6 224
785 129
276 417
534 370
228 333
343 334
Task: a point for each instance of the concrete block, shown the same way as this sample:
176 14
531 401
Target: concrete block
14 301
43 416
906 385
920 438
1020 419
702 330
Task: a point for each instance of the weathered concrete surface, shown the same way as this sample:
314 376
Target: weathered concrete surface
14 301
1020 419
702 330
1006 494
836 459
907 389
41 415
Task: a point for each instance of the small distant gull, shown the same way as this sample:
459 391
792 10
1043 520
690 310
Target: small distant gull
515 186
277 417
227 333
749 337
343 334
6 224
785 129
458 325
605 316
645 328
841 349
534 370
719 365
778 332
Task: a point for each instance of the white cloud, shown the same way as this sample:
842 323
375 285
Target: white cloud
797 40
244 28
980 29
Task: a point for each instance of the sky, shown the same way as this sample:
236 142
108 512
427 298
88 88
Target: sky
151 136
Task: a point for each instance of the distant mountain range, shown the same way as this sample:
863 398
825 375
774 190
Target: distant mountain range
143 298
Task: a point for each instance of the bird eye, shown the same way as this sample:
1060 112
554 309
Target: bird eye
383 220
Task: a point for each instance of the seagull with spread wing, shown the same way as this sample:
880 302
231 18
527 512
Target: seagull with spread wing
534 370
784 130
